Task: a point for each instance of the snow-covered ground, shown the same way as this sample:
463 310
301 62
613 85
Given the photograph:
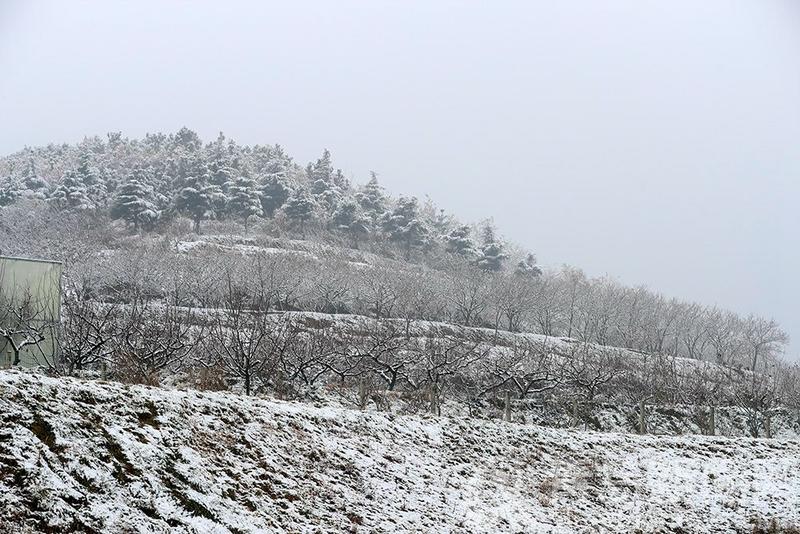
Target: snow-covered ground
102 457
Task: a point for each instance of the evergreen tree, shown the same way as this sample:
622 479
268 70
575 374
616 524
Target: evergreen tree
243 200
326 195
527 267
300 207
270 160
81 188
221 167
340 181
322 169
441 222
9 192
72 193
459 241
372 198
187 139
405 227
31 179
93 181
274 194
327 186
133 203
200 202
349 221
492 256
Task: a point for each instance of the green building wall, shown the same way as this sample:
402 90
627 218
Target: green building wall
37 281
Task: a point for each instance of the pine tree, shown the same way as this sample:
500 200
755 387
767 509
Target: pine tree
221 167
459 241
94 183
9 192
326 195
186 139
340 181
404 225
300 208
492 255
527 267
270 160
372 198
200 201
243 200
327 186
72 193
348 220
31 179
274 194
81 188
133 203
322 169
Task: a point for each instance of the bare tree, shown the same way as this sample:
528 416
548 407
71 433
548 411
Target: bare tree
330 289
26 322
527 368
88 332
302 354
589 370
467 293
763 338
239 338
377 289
757 394
441 361
381 351
153 337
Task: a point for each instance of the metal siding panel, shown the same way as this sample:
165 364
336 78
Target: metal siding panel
42 280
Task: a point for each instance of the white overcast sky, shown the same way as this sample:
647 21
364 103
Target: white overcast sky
658 142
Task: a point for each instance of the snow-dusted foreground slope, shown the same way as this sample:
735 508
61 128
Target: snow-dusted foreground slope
99 457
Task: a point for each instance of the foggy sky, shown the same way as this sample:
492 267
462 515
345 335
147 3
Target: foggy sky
657 142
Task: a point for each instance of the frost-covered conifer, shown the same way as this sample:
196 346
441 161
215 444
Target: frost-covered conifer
459 241
133 202
348 220
300 207
404 225
243 200
492 255
274 194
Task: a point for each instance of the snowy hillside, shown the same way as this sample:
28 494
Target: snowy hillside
101 457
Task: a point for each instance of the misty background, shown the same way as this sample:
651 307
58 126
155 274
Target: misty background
655 142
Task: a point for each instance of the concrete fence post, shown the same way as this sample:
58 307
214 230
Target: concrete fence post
642 418
362 394
434 400
508 406
575 415
712 424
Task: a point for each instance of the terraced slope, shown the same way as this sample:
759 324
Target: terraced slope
99 457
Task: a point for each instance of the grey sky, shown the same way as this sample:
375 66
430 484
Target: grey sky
658 142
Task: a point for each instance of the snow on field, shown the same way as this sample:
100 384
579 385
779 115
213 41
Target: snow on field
102 457
189 246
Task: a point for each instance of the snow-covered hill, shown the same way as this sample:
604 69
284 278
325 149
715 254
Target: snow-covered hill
99 457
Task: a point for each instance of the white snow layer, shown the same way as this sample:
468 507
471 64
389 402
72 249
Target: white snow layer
103 457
